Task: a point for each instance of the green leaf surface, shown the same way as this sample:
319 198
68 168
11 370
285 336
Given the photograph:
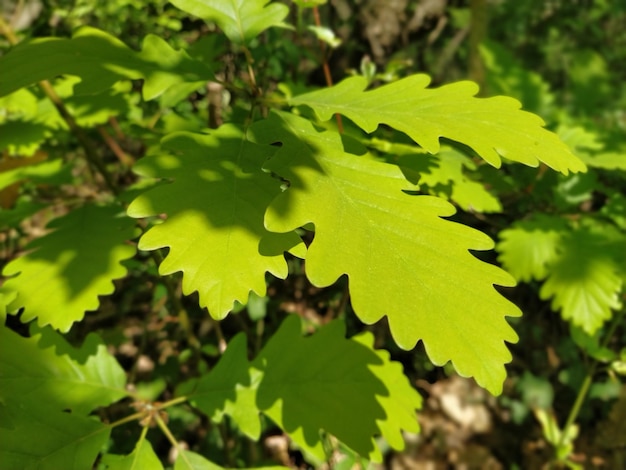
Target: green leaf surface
492 127
586 279
402 258
370 394
141 458
215 208
230 388
446 178
62 274
44 438
41 172
100 60
528 249
241 20
188 460
44 368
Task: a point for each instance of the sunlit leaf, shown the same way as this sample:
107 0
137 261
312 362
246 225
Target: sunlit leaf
493 127
402 258
62 274
241 20
215 208
100 60
188 460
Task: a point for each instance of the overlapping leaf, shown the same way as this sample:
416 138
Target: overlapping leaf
100 60
370 394
64 272
215 210
493 127
402 259
241 20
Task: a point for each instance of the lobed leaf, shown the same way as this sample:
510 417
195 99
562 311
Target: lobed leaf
188 460
241 20
215 208
529 248
62 274
402 259
586 279
100 60
492 127
370 394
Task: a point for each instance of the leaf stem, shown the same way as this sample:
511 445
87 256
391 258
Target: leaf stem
584 388
327 76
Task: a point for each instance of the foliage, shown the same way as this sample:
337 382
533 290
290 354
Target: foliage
356 183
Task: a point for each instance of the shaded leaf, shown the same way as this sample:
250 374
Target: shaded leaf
141 458
44 368
64 272
45 438
215 208
492 127
241 20
370 394
188 460
418 270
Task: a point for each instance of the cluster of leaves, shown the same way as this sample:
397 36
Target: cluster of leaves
223 206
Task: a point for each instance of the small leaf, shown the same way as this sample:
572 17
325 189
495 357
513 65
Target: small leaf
64 272
586 279
529 247
141 458
215 209
241 20
188 460
402 258
492 127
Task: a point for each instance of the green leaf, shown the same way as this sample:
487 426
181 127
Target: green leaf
492 127
529 247
44 368
100 60
141 458
586 279
230 388
215 210
241 20
63 273
43 438
371 395
446 178
188 460
40 172
402 259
